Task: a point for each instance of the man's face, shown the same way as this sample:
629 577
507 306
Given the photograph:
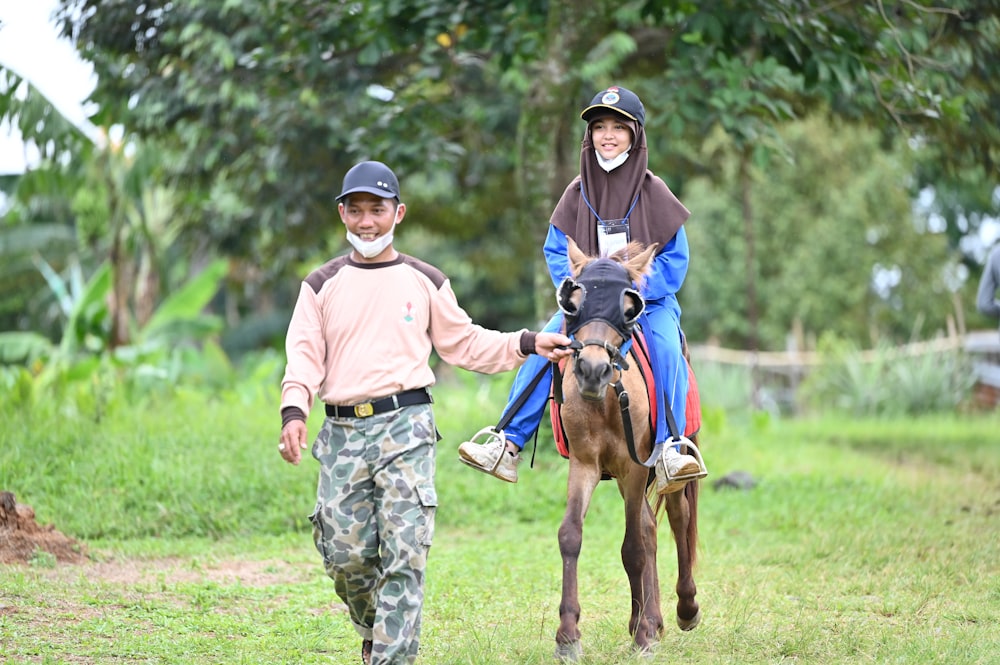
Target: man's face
610 135
369 216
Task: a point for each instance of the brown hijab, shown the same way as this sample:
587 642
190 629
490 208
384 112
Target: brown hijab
657 213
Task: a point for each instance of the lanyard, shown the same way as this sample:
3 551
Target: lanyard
599 219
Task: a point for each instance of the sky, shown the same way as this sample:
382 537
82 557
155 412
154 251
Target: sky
30 45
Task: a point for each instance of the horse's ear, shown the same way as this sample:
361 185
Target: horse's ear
569 297
577 259
639 264
633 305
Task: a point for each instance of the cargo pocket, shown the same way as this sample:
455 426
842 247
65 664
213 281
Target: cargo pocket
320 535
321 445
428 502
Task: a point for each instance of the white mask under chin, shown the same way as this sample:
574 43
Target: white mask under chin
610 165
369 248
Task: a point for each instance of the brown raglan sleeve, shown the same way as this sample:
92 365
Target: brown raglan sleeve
465 344
305 349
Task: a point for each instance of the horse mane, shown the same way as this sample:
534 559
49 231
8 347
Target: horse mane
635 257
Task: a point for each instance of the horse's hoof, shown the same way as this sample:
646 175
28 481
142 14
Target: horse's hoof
689 624
570 652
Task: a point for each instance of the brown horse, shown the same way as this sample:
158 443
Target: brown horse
593 422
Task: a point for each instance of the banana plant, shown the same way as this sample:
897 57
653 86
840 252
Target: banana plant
167 347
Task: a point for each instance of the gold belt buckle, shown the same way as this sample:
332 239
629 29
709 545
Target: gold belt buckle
364 410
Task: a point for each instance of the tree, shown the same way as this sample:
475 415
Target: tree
266 103
259 107
838 248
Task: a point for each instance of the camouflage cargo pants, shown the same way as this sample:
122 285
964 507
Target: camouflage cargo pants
374 522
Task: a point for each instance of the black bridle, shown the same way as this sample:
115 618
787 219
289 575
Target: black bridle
614 352
619 363
603 282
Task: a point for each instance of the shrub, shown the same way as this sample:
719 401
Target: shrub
887 381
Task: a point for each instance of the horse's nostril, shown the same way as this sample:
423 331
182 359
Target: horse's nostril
593 372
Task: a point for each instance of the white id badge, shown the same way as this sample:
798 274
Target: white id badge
612 235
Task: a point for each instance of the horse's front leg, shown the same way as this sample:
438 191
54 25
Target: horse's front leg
639 560
582 481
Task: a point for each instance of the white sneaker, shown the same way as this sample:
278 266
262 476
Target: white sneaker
491 456
674 469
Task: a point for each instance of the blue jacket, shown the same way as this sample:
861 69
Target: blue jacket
661 285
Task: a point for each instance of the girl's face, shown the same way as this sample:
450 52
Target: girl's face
611 136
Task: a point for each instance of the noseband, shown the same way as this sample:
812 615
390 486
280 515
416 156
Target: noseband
614 352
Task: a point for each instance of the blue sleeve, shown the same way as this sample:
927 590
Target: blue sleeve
555 248
669 269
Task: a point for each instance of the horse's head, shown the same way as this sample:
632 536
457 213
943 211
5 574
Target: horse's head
601 306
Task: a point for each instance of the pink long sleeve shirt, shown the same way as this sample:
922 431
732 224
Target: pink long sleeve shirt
361 331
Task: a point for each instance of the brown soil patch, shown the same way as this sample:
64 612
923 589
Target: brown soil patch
22 538
175 570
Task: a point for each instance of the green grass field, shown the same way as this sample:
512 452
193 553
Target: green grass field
864 542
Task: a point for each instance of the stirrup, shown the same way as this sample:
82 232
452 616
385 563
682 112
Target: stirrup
694 452
490 434
671 484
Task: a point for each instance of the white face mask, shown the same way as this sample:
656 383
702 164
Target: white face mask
369 248
610 165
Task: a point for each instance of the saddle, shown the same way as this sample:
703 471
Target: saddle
639 352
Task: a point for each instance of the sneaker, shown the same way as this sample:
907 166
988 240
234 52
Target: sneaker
490 456
675 469
366 652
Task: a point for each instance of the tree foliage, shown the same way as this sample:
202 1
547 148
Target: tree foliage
256 109
838 249
266 103
261 106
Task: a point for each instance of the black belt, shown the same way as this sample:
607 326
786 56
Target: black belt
397 401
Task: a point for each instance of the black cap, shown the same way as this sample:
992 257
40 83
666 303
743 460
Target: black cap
371 177
619 100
